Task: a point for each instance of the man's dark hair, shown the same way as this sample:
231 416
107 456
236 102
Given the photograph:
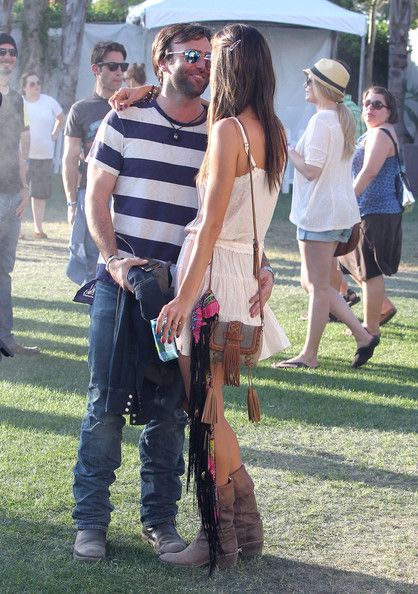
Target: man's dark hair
104 47
178 33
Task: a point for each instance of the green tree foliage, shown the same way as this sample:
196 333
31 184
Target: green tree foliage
108 11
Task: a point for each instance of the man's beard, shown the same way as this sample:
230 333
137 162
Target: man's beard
182 82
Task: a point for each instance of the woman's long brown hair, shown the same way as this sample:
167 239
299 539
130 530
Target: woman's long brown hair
240 77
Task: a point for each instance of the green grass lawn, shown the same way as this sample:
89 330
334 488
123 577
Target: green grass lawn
334 458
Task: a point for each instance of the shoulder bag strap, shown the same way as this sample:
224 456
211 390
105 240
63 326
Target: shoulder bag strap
256 249
386 131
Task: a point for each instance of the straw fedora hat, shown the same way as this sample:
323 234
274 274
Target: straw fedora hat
331 74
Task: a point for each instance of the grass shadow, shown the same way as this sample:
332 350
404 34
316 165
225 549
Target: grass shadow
132 567
329 466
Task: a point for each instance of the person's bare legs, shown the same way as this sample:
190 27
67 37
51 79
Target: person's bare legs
373 297
317 258
340 309
337 277
38 212
387 304
228 456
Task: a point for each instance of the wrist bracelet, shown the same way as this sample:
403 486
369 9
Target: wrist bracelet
72 203
25 187
269 269
152 93
110 259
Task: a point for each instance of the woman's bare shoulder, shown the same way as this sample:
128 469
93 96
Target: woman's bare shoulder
226 130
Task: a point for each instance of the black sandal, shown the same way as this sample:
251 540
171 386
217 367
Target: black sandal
363 354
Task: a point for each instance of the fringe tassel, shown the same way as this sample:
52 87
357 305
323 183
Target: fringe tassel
231 363
253 402
201 442
210 411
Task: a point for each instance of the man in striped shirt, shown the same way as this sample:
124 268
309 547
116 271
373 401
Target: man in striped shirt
147 158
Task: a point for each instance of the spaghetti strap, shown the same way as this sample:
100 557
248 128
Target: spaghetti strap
246 143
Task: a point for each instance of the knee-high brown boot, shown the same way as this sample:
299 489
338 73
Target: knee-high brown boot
197 553
247 520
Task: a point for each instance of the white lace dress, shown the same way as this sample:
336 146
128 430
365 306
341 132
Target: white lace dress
232 280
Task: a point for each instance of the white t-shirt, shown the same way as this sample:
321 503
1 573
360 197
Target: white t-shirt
42 115
329 202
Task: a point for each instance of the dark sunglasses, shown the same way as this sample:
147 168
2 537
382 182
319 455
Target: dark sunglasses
34 83
375 104
4 51
113 66
308 82
192 56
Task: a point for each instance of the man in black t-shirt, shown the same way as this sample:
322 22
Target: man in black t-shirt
14 196
107 64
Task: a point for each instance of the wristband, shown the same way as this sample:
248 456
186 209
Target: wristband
25 187
110 259
72 203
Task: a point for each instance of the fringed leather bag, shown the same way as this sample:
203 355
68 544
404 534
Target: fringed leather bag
234 343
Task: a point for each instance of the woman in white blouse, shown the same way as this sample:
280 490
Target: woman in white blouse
324 207
46 119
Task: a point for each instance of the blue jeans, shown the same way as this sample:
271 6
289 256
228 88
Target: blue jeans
81 267
99 454
9 236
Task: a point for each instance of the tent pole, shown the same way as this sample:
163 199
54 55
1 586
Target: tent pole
361 72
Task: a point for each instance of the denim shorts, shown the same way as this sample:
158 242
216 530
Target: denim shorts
342 235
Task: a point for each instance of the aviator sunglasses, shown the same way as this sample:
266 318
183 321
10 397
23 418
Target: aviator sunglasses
113 66
11 51
375 104
191 55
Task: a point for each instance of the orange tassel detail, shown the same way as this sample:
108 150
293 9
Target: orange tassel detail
253 405
210 410
231 362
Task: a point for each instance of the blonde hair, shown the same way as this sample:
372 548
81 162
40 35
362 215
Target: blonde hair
345 117
242 75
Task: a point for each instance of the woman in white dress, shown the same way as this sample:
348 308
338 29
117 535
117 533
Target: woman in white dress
242 90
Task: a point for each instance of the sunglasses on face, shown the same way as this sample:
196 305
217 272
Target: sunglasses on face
34 83
375 104
308 82
192 56
4 51
113 66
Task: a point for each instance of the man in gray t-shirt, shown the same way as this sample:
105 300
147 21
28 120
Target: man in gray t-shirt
107 64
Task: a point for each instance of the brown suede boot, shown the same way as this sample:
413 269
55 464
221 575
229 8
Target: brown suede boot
247 520
197 553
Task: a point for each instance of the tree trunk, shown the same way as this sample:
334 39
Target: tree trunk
72 38
400 15
35 34
5 12
374 7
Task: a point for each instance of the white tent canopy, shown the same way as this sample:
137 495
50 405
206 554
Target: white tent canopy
319 14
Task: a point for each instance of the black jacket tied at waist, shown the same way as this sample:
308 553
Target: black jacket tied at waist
138 379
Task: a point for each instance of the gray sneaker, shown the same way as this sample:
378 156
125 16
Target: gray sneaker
90 545
164 538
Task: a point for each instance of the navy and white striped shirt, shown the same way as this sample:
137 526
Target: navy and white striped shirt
155 193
